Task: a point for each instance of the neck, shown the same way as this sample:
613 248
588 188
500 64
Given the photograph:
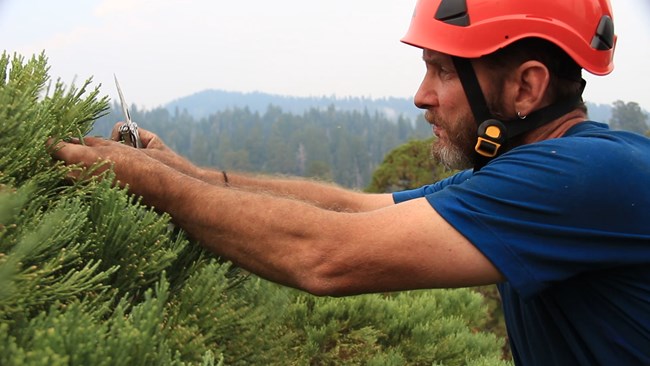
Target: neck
554 129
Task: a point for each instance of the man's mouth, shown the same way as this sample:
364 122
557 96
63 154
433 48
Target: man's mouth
435 127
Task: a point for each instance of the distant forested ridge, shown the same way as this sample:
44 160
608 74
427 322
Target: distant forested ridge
207 102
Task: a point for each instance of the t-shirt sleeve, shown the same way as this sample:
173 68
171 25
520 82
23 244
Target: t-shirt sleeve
407 195
549 211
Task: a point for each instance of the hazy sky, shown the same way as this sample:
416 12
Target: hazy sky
165 49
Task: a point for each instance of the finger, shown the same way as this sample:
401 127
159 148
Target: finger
60 150
51 144
54 145
150 140
146 136
97 141
115 132
65 151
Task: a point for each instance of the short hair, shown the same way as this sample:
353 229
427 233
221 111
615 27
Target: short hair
565 74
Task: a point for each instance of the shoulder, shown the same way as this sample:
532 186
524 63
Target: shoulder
587 140
589 148
592 178
581 179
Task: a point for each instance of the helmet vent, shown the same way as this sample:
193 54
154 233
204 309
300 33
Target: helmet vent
604 38
453 12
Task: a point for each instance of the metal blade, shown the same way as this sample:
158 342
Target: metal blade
125 108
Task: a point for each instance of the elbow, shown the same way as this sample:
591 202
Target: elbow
325 277
320 287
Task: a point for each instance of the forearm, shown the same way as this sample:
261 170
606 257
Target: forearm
271 236
324 195
321 194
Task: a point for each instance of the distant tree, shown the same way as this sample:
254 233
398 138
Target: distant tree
629 117
408 166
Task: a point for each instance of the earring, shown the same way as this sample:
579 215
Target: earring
520 116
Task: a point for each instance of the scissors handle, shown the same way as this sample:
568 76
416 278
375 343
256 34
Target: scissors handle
129 134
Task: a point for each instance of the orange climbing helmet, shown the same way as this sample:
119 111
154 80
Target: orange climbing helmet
473 28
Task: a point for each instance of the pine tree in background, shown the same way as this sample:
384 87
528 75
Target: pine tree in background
407 166
628 116
89 276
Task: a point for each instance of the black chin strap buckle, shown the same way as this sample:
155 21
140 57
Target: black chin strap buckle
491 135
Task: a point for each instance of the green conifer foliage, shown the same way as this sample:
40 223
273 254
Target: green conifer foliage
407 166
419 327
82 265
89 276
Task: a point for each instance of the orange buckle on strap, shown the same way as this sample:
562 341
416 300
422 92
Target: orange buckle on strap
491 134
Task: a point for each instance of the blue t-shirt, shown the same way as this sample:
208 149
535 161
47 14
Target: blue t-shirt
567 222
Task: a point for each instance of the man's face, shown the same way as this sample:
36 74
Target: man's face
447 110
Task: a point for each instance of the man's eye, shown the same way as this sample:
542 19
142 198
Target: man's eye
444 72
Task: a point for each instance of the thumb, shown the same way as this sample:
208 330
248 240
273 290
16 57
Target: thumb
115 132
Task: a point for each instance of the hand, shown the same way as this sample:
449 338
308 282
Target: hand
149 139
154 147
130 165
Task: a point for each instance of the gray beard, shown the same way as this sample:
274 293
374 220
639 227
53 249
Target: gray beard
457 150
451 157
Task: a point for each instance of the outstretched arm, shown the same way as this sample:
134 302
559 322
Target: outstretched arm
289 241
325 195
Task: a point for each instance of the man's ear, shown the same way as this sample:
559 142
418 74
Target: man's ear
532 80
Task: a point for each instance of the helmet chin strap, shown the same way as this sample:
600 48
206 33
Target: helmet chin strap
492 133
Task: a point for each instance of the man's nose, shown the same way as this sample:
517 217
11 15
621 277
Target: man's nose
425 97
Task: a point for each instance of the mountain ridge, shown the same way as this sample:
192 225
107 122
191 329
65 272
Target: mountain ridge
204 103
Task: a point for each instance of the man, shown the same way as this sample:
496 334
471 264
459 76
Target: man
554 210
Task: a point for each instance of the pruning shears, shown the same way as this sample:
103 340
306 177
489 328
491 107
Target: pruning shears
129 130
